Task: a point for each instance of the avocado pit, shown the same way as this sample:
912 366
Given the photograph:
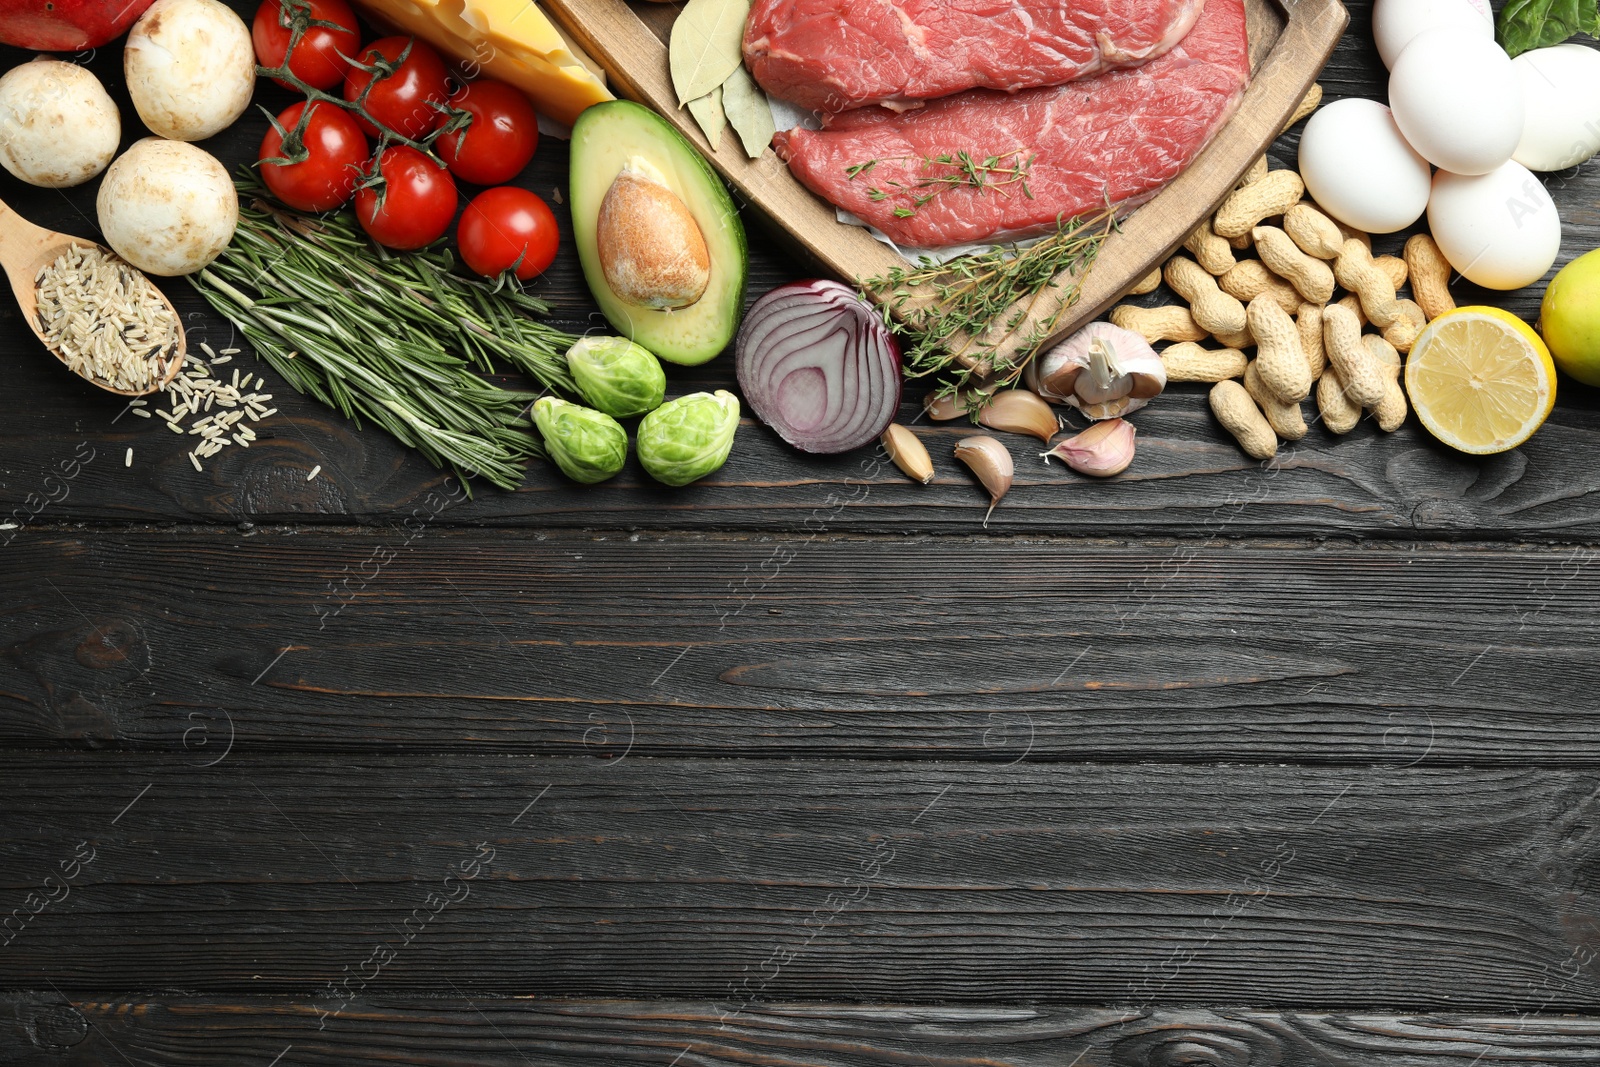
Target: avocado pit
651 250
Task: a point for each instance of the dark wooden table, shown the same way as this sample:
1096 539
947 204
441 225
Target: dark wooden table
1216 762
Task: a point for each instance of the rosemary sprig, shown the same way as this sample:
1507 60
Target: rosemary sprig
960 318
392 338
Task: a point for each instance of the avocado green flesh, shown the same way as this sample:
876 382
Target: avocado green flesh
605 137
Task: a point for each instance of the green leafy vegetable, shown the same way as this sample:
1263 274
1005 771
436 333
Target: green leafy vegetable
686 439
1529 24
617 376
588 445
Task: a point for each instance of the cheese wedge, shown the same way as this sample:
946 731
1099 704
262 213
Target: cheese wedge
510 40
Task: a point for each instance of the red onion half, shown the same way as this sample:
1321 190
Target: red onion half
818 365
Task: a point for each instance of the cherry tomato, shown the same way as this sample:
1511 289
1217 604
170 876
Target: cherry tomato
402 101
502 226
501 138
337 152
319 59
419 200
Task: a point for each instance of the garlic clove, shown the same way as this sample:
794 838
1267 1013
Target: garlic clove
1147 384
1019 411
1104 449
943 408
989 460
951 406
908 453
1059 384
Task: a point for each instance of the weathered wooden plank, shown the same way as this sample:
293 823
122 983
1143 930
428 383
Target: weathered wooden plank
433 638
1188 478
1410 889
1188 481
457 1030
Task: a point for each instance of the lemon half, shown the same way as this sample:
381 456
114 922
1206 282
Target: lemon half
1480 380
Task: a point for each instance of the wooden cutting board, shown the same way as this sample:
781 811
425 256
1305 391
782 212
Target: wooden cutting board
1289 43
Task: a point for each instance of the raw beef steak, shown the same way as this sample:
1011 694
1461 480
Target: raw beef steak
1117 137
831 55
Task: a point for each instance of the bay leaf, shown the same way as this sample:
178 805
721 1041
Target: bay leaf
705 46
748 112
708 113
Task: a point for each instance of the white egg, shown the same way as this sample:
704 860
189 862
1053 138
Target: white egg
1458 100
1498 229
1360 170
1395 22
1561 88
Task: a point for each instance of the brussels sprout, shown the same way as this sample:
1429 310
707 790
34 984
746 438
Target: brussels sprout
617 376
689 437
589 446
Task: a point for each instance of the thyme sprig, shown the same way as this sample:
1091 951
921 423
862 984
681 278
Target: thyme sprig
959 320
996 172
396 339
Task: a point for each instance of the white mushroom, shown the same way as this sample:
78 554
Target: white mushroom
167 207
190 67
58 127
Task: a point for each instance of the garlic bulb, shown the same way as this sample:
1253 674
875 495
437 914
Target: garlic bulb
1102 370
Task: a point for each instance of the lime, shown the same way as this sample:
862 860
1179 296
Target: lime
1569 318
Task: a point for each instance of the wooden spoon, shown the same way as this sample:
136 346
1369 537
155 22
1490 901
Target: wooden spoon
25 249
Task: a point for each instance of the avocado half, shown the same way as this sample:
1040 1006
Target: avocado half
605 137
